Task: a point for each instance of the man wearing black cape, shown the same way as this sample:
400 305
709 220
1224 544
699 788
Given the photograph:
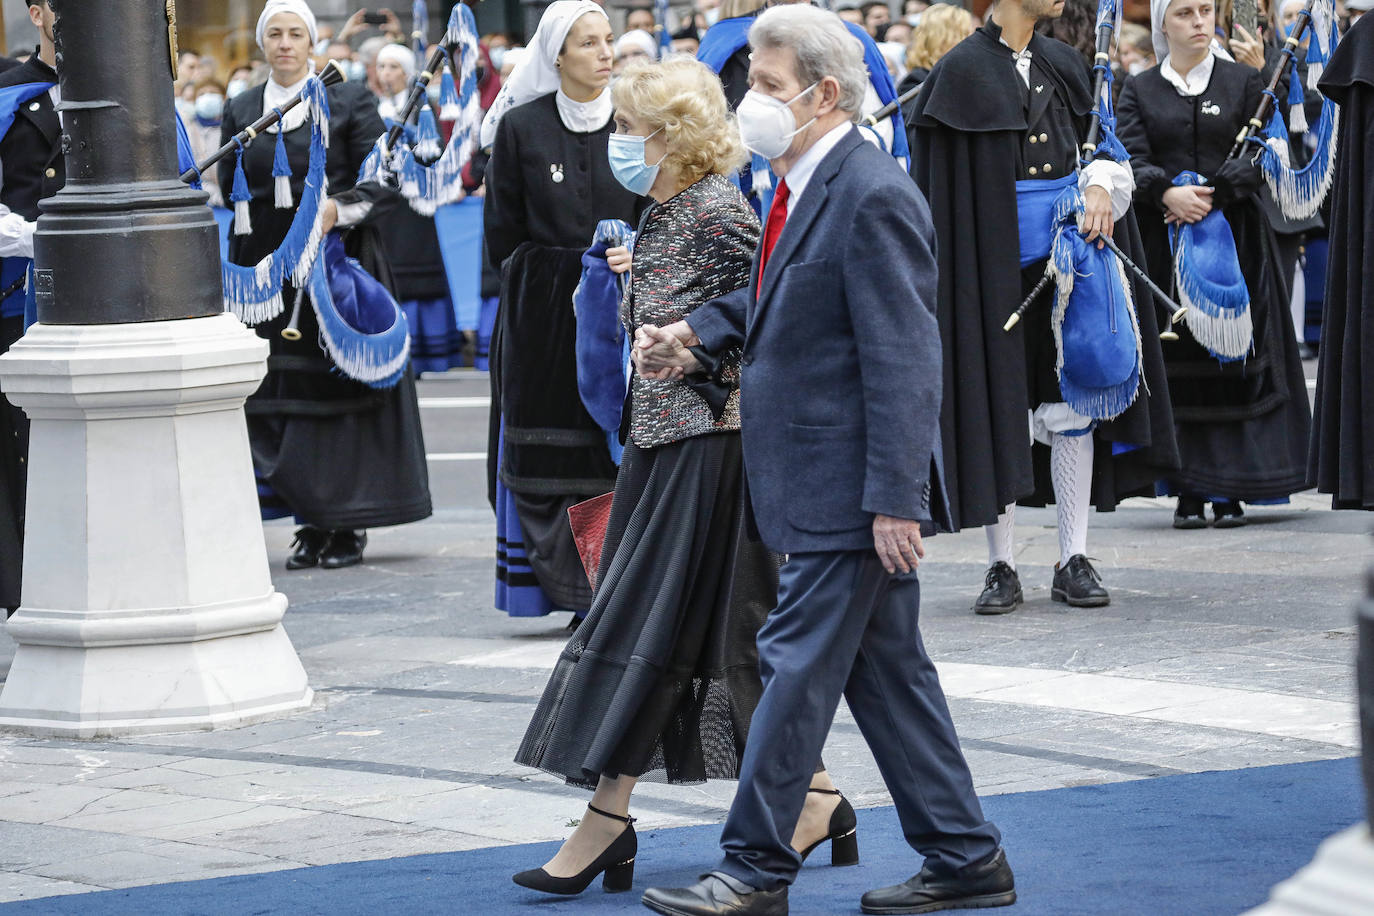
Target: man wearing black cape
1008 108
1342 456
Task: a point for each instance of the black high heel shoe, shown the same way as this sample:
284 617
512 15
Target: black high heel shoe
617 862
843 834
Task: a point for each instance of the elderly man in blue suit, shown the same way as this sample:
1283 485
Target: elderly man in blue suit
840 409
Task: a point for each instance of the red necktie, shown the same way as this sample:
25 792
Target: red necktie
777 218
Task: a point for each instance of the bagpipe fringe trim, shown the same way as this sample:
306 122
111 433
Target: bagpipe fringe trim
377 360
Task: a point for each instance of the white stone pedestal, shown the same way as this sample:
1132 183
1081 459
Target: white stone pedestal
147 603
1339 881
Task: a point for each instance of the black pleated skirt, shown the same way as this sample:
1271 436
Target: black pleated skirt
662 677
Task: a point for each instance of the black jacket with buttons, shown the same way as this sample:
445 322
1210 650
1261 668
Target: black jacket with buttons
31 151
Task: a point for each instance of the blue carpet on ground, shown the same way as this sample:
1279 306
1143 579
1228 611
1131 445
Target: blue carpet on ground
1198 844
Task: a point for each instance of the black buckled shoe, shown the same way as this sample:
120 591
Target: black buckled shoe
1001 591
345 549
843 833
1077 584
982 884
616 865
1227 514
1190 513
716 894
308 544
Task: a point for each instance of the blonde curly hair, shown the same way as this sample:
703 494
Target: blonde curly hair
942 27
684 98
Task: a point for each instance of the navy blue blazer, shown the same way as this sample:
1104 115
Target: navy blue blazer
841 380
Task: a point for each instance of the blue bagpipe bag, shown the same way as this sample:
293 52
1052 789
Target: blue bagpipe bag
1210 284
601 342
363 327
1094 322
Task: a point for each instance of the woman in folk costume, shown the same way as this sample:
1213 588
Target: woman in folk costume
549 183
1240 401
661 678
337 454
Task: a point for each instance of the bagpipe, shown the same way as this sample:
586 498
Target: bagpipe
361 326
414 161
1206 267
1094 322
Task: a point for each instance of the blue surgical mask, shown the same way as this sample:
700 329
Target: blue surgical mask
209 107
356 71
497 55
235 87
626 153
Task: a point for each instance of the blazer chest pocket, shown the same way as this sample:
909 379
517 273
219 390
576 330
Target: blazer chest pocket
810 280
825 471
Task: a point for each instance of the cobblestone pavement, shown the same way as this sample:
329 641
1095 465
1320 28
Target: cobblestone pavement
1220 650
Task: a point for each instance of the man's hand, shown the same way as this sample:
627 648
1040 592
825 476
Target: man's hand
1097 214
618 259
661 353
898 542
1248 49
1187 203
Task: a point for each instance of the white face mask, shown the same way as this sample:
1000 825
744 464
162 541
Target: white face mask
1137 67
767 125
235 87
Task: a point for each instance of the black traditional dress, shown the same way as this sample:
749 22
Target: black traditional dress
1342 459
979 131
1242 426
662 675
547 187
335 453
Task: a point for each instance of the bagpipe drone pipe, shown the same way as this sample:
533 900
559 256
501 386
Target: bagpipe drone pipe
415 161
367 340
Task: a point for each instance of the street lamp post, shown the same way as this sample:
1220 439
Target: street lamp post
147 604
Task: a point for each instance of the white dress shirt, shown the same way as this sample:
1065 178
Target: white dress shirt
800 174
1194 82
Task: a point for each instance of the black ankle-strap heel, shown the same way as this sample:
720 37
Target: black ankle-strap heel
616 864
843 834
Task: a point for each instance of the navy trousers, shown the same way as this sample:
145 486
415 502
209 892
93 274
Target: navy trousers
844 626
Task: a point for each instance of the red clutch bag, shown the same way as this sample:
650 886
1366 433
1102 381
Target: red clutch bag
589 519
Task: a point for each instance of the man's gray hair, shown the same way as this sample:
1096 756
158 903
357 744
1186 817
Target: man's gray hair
823 46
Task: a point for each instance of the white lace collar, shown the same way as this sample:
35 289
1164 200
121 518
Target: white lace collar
584 117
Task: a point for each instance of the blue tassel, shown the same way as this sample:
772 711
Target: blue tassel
1300 192
281 169
1297 115
240 196
450 107
428 144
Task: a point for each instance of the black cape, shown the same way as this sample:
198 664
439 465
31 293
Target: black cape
969 120
1342 454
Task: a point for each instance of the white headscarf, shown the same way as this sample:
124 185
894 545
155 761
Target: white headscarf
637 38
537 73
298 7
401 55
1157 10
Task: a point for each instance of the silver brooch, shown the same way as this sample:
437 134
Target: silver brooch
556 172
1040 88
1210 108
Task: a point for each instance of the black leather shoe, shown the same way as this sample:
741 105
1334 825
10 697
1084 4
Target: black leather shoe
1077 584
843 833
716 894
616 863
1190 513
982 884
345 549
1227 514
309 544
1001 591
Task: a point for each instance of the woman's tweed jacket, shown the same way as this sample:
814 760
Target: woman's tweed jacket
689 249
